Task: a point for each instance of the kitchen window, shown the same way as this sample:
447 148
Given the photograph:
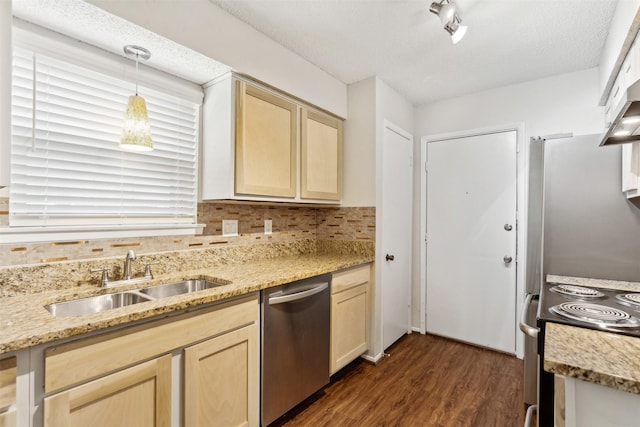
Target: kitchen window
67 169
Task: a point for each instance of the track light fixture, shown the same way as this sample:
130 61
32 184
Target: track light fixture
450 19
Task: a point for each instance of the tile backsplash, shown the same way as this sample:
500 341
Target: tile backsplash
288 223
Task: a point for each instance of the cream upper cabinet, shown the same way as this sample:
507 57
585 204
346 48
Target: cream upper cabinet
137 396
8 375
263 145
321 156
266 142
349 316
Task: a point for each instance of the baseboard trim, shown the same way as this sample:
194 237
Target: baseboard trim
372 359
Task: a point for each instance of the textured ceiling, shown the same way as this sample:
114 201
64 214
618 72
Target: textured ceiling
400 41
92 25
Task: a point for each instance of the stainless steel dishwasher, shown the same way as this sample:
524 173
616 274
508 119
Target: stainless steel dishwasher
295 344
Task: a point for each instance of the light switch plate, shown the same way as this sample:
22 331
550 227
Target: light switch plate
229 227
268 226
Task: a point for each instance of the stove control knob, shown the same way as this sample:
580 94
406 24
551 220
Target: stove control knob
507 259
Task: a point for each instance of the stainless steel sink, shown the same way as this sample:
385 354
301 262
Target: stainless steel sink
96 304
101 303
186 286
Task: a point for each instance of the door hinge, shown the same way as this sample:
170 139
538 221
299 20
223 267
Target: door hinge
410 161
426 169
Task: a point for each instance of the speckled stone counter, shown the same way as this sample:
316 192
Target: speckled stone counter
598 357
595 283
24 322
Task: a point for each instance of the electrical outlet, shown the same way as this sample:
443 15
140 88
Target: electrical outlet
229 227
267 226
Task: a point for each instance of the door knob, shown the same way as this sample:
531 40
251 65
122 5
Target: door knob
507 259
390 257
508 227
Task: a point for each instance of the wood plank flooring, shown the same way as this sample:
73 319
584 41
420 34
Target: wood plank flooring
426 381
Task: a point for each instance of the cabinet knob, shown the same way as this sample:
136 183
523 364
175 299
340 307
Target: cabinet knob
390 257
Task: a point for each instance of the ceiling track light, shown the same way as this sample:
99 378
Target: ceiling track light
446 10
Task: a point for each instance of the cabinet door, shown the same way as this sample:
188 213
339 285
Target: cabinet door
349 313
8 374
221 380
321 164
266 139
138 396
631 169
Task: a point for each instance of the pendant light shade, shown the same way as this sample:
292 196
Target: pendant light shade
136 131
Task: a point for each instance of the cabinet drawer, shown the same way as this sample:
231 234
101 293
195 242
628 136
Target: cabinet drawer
346 279
8 375
87 358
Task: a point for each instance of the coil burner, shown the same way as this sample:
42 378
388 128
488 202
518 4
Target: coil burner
577 291
630 300
596 314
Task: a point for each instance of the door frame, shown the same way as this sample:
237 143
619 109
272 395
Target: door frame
522 154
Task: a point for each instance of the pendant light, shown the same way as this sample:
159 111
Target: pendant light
136 132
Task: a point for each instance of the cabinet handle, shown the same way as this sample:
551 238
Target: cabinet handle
390 257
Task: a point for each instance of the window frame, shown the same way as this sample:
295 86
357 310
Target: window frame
47 43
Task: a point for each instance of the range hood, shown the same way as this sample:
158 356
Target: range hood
625 127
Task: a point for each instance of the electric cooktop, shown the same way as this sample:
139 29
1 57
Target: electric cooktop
594 308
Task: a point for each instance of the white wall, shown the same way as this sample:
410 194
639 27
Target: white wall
359 147
205 28
559 104
563 103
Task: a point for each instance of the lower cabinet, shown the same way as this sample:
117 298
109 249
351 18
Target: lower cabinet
204 364
221 382
349 315
8 375
138 396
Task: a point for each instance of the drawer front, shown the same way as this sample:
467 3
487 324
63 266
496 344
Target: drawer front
347 279
81 360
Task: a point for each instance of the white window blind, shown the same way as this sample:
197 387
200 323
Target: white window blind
66 164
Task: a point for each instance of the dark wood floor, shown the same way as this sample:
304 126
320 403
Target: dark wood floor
426 381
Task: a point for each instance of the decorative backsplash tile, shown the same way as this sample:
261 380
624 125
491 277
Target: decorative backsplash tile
289 223
347 224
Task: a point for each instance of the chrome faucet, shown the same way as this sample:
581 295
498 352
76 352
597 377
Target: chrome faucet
131 256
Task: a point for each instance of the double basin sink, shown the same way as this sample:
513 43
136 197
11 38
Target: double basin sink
102 303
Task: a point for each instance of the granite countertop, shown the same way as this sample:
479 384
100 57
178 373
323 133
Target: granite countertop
599 357
24 322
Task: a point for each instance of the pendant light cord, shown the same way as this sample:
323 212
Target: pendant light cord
137 56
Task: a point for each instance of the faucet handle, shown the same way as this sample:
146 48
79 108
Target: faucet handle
147 269
105 274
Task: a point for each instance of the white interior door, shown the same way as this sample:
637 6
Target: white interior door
396 233
471 239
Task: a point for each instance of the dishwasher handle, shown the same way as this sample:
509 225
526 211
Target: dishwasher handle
279 298
527 329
